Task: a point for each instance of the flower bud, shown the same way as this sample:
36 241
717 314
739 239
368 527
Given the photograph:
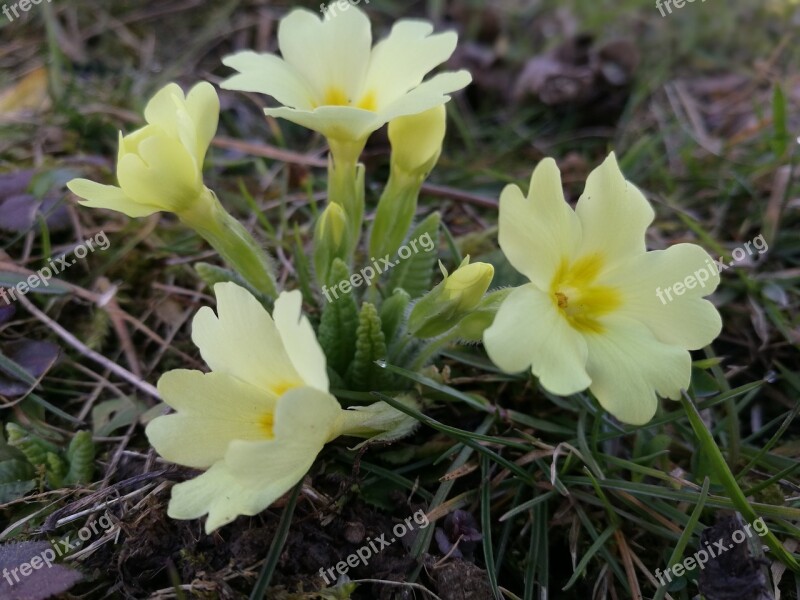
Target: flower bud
331 239
448 303
417 141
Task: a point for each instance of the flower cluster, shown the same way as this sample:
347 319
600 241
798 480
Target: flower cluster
586 319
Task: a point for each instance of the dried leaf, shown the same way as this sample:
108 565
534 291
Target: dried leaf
42 582
34 358
27 95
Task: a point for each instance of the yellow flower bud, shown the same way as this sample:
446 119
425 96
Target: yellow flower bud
444 307
417 141
331 240
467 284
332 225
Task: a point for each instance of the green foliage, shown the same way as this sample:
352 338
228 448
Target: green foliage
364 374
80 456
35 449
17 475
393 313
337 329
76 465
56 468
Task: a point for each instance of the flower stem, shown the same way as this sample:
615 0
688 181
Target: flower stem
346 184
233 242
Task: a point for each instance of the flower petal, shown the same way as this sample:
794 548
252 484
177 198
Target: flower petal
614 215
330 54
334 122
97 195
270 75
529 331
163 174
401 61
160 110
255 474
202 104
427 95
243 341
300 341
648 285
213 410
538 232
629 366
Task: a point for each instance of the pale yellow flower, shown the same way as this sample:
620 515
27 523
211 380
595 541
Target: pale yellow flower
159 167
590 316
330 78
257 421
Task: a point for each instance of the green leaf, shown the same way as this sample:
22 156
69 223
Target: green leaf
56 469
34 448
15 490
302 267
415 273
364 374
17 475
780 135
111 415
393 311
16 470
80 456
337 328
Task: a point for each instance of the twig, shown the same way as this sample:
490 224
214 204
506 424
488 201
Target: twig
88 352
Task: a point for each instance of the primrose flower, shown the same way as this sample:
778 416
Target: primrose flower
257 421
333 81
591 316
159 167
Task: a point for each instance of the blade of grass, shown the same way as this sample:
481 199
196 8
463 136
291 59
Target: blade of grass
276 547
486 526
677 553
728 481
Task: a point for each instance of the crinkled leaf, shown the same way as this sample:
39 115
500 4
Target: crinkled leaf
337 328
364 374
80 456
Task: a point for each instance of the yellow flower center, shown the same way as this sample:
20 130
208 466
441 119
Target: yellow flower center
335 96
266 422
579 299
279 389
